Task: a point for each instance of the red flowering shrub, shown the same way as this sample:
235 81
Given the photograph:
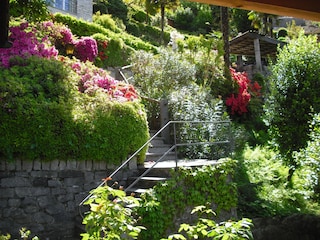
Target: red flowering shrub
239 102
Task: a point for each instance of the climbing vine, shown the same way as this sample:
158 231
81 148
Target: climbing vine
188 187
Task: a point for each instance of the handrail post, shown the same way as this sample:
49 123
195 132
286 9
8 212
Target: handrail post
164 119
175 143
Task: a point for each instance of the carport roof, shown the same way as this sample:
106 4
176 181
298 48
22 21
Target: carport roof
244 44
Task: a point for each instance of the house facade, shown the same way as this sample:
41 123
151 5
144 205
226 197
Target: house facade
78 8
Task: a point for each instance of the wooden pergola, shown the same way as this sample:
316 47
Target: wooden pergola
254 44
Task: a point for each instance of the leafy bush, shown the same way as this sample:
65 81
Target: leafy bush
111 215
193 103
207 185
156 76
207 228
43 115
83 28
33 11
118 9
294 97
106 21
146 32
262 185
309 159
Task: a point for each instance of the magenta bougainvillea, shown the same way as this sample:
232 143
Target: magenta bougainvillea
46 40
25 44
239 102
86 49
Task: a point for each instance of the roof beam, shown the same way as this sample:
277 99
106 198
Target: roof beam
306 9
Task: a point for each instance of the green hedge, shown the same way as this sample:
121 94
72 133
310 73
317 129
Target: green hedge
146 32
44 116
83 28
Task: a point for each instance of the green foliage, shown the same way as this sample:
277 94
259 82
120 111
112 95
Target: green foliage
193 103
262 185
309 159
44 116
194 17
118 9
188 187
156 76
294 86
111 215
24 234
106 21
138 15
32 11
147 33
207 228
83 28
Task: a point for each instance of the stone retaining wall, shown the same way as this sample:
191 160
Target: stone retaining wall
44 196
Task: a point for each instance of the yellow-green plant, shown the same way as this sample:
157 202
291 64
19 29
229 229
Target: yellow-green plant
111 215
207 228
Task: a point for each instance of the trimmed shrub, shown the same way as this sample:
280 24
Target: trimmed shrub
83 28
44 116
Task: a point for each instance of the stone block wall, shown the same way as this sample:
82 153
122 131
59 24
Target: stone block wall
44 197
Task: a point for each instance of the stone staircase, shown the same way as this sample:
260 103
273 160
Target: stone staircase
161 171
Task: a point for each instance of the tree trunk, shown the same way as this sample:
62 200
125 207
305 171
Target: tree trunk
225 36
162 23
4 23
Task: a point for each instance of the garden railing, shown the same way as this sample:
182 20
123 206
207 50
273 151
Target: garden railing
179 131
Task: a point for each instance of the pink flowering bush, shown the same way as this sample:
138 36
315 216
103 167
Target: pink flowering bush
93 79
86 49
25 44
239 102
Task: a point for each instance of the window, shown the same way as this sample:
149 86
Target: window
65 5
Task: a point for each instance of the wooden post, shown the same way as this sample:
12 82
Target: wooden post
4 23
257 54
164 119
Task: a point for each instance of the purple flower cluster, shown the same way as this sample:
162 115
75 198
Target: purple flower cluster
26 44
86 48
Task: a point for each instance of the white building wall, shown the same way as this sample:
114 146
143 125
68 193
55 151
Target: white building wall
83 10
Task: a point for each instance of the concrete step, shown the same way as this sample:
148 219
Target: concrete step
161 148
157 155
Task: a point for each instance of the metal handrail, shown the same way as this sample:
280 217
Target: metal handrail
173 147
126 162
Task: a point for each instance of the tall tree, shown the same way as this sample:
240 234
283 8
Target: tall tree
262 21
225 35
163 4
4 23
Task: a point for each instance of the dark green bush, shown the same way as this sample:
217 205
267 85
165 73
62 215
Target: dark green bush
44 116
146 32
118 9
139 15
294 96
